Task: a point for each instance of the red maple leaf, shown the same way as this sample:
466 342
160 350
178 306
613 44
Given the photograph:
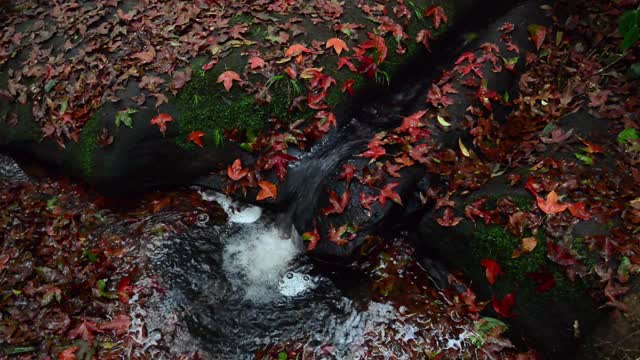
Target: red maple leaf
504 307
418 153
336 236
436 97
279 160
161 120
367 200
491 270
227 78
387 192
578 210
338 204
235 171
85 331
348 171
347 86
344 61
438 14
256 62
448 219
196 137
412 121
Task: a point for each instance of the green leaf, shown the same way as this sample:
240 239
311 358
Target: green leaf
584 158
19 350
51 203
124 117
628 135
282 355
49 85
629 28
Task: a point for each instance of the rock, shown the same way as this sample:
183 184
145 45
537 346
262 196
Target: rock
34 95
350 142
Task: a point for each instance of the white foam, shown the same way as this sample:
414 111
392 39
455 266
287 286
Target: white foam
237 213
257 257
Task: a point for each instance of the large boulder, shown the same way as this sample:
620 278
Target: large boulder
72 76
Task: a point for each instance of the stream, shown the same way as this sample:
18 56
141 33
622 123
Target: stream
245 289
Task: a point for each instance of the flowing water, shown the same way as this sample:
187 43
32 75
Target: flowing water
245 289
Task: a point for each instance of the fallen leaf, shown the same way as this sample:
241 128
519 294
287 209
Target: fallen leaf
235 171
119 324
387 192
68 353
338 45
438 14
227 79
491 270
504 307
526 246
550 205
196 137
538 34
267 190
448 219
313 237
161 120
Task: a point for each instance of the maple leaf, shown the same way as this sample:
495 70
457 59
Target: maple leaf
296 50
313 237
227 79
196 137
85 331
344 61
120 324
543 279
367 200
348 171
438 14
550 205
347 85
208 66
526 246
235 171
504 307
418 153
491 270
338 204
267 190
412 121
436 97
538 34
336 236
338 45
387 192
578 210
423 37
448 219
279 160
161 120
256 62
145 56
68 353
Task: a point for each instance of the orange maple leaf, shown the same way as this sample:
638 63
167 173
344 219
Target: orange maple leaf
337 44
235 171
227 78
267 190
550 205
296 50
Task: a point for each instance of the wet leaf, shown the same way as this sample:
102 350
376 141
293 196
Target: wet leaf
196 137
504 307
537 34
438 14
124 117
338 45
550 205
491 270
526 246
235 171
227 78
387 192
161 120
267 190
338 204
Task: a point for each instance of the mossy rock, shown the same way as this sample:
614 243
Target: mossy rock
142 155
550 320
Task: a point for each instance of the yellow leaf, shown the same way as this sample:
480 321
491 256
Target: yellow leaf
463 148
527 246
442 121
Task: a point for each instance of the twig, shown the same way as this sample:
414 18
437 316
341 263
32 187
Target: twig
613 62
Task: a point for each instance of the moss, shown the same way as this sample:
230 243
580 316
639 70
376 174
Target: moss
494 242
89 143
204 106
241 18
